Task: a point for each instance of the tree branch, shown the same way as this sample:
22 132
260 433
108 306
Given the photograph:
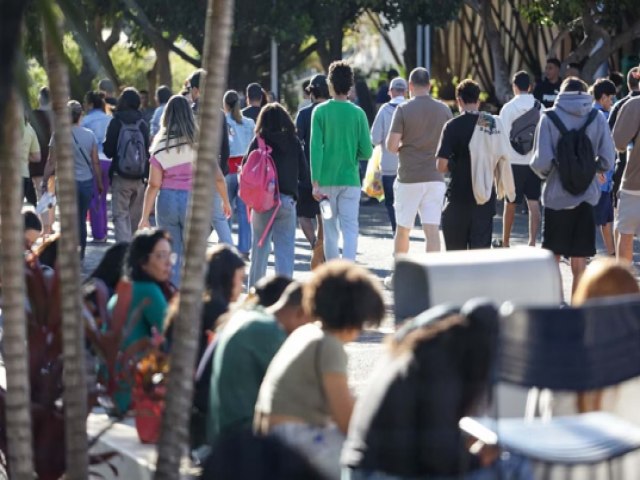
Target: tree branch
140 19
385 37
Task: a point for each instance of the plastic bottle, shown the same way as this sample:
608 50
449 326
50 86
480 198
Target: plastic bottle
325 208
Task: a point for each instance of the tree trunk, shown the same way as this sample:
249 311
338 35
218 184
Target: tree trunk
75 388
174 434
410 38
15 348
163 65
501 81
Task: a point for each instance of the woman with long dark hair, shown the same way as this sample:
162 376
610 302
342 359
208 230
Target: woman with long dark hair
148 268
278 131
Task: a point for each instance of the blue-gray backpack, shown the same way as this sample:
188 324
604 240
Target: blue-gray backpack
132 154
523 130
575 158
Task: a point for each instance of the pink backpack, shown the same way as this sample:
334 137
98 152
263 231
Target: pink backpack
258 185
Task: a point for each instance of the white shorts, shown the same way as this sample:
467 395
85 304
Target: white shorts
424 198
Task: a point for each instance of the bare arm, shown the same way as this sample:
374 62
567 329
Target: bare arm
442 165
221 187
150 193
393 142
339 398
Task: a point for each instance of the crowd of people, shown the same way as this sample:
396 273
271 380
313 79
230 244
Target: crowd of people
275 363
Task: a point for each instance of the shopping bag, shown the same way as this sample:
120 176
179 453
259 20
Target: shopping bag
372 182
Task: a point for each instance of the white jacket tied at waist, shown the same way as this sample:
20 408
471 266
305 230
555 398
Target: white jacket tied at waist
489 148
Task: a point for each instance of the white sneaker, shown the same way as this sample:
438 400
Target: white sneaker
388 282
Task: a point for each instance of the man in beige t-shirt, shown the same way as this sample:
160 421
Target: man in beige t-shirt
420 188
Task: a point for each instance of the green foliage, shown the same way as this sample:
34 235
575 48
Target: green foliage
429 12
565 12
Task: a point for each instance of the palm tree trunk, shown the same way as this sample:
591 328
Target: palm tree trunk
15 351
75 388
174 440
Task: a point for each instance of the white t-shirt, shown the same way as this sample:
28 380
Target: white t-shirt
510 112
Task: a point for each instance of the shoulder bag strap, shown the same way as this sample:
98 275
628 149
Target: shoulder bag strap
82 152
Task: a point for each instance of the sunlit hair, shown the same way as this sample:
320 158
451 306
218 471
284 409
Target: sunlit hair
231 100
177 125
605 278
273 118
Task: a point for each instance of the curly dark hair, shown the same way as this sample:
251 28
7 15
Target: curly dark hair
340 77
343 295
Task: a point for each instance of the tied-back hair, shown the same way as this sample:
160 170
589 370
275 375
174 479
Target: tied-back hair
232 100
273 118
177 126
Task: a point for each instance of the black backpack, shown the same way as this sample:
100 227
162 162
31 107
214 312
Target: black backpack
523 130
575 158
132 154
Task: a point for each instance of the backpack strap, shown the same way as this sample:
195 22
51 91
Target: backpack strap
592 116
553 116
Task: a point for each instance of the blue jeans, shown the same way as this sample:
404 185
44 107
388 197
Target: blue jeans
387 186
219 222
509 467
171 215
240 209
84 194
345 206
283 234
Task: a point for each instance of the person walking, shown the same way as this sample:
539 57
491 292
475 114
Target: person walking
278 132
307 207
419 188
127 145
97 121
569 223
173 154
520 117
86 168
626 130
221 207
474 151
241 132
339 138
379 132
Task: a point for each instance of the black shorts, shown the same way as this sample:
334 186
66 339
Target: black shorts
603 211
528 184
307 206
571 232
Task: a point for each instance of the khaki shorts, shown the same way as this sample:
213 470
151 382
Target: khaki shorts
628 220
424 198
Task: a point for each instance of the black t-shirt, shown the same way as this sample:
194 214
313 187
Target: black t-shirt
251 112
454 145
546 92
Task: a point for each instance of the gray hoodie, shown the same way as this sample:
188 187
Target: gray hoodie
573 109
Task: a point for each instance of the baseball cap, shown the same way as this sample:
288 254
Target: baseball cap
317 81
398 83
